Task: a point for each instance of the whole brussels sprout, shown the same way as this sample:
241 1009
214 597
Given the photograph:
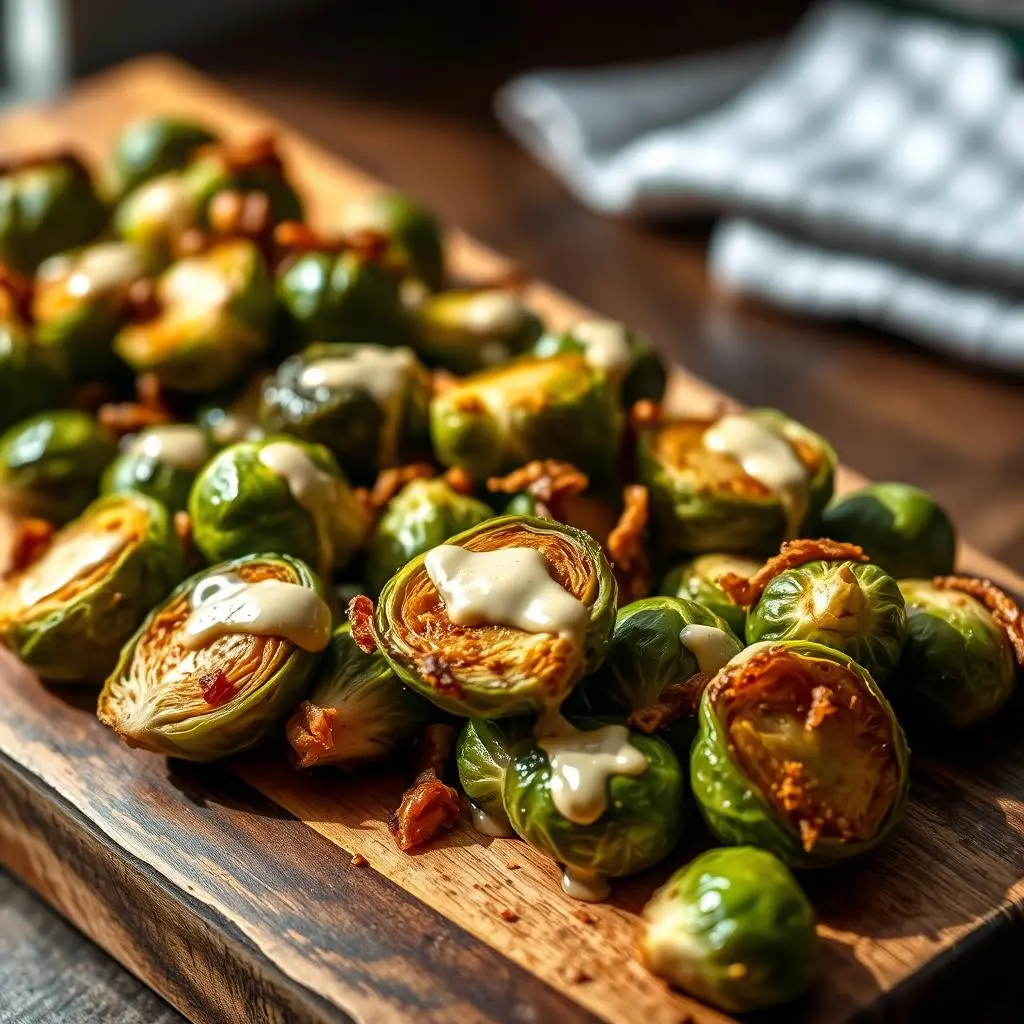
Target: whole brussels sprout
160 461
902 529
81 303
279 493
500 665
466 330
368 404
798 753
853 607
482 753
154 145
958 666
734 929
359 713
422 515
640 815
214 318
416 242
219 663
697 580
738 483
68 613
51 463
46 206
530 408
624 355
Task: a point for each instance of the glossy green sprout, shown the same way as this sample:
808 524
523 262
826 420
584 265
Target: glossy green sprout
152 146
482 754
697 580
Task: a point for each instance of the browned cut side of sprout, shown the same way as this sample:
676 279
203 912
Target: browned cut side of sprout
429 805
310 733
31 539
360 615
1004 608
746 592
677 700
625 545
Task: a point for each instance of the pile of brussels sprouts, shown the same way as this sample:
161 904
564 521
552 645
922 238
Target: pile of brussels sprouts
200 394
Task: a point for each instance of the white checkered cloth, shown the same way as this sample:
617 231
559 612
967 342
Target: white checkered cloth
873 168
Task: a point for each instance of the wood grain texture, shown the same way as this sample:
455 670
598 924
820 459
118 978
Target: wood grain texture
257 897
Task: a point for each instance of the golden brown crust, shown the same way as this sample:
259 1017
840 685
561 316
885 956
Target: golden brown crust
429 805
677 700
626 547
31 539
360 615
310 732
1004 608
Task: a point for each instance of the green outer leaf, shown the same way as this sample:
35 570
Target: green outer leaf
133 471
696 580
739 815
485 696
223 730
736 906
642 824
482 752
31 378
80 641
155 145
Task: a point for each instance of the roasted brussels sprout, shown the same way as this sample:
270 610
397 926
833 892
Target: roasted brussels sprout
530 408
502 620
472 329
81 303
213 319
47 205
901 528
68 613
742 482
697 580
624 355
161 462
219 663
154 145
959 666
51 463
732 928
798 753
422 515
600 800
482 753
279 493
416 244
358 713
368 404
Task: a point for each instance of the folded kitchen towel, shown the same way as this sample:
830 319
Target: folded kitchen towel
872 167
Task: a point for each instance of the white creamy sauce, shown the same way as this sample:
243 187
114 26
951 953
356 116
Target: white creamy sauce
163 200
413 294
225 604
233 427
67 561
506 587
490 825
768 458
195 284
97 269
372 368
605 344
589 886
178 445
711 646
493 312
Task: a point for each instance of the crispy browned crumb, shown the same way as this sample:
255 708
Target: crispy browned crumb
359 861
677 700
546 480
821 707
360 615
508 915
512 866
1004 609
791 788
809 832
583 915
310 733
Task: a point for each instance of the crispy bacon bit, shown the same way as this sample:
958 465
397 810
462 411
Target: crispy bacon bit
240 157
31 539
296 238
548 480
19 291
459 480
359 861
746 592
216 687
390 481
141 303
809 833
310 733
360 615
508 915
183 527
442 381
429 805
625 546
644 414
437 672
677 700
821 707
1004 609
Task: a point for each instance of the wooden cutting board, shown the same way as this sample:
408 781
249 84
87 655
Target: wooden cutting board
231 889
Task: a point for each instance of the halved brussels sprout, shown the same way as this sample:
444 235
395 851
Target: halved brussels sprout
624 355
416 243
853 607
51 463
472 329
47 205
530 408
280 494
214 316
154 145
902 529
742 482
482 753
734 929
422 515
80 304
798 753
358 713
501 664
639 815
698 579
221 661
958 666
369 404
161 462
68 613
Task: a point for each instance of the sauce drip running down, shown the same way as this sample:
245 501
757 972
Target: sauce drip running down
506 587
375 369
67 561
224 604
179 445
711 646
605 345
98 269
589 886
493 312
488 824
768 458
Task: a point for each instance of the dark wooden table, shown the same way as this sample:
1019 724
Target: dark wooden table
406 93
